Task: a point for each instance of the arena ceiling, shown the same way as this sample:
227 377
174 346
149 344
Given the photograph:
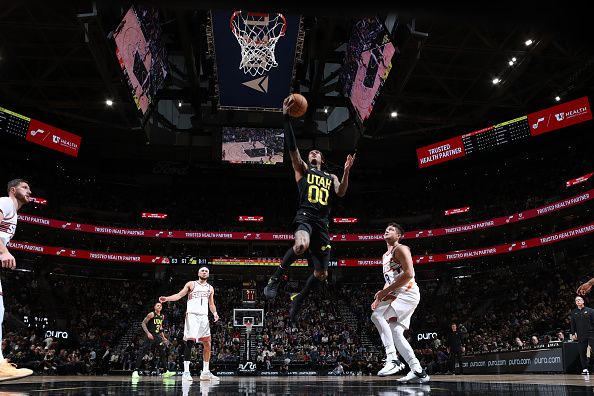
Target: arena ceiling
57 65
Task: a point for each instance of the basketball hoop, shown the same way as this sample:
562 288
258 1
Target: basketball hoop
257 34
248 328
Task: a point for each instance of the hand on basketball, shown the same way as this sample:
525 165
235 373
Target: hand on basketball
348 164
8 260
162 299
216 316
288 103
584 289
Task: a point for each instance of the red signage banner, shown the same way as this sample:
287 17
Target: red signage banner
278 236
481 252
147 215
40 201
251 218
578 180
440 152
53 138
86 254
560 116
434 258
449 212
345 220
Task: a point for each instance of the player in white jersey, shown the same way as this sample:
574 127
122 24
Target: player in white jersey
380 319
200 299
398 300
19 194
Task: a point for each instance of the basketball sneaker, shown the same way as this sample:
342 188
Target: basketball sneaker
135 374
9 371
271 289
414 378
295 305
392 366
208 376
187 377
168 374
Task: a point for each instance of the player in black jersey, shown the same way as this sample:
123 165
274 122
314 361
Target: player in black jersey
152 325
316 191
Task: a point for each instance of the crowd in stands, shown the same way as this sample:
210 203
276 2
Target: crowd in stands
500 308
66 325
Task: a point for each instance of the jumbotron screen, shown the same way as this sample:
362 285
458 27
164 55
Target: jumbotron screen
367 63
243 145
141 54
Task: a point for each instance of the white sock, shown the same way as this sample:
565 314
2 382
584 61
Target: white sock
391 353
404 348
186 366
205 367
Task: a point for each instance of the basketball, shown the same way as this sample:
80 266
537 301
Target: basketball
299 107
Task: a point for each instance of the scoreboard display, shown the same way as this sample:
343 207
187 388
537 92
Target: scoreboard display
496 135
37 132
14 123
191 260
518 129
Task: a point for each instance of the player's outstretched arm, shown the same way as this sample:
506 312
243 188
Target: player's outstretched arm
299 166
585 288
178 295
340 187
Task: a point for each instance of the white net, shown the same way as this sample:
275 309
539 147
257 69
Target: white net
257 35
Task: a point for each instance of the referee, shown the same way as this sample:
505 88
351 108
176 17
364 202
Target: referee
582 330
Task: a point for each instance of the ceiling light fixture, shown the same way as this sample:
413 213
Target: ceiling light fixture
528 42
394 114
496 81
109 102
557 98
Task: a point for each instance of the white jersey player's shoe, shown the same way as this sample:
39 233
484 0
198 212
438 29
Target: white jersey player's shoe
392 366
414 378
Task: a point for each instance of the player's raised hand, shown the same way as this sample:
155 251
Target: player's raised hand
584 289
348 164
287 104
162 299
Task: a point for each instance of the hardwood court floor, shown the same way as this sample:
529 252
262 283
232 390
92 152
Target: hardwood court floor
550 385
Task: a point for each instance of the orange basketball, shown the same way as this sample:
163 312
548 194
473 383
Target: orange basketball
299 106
